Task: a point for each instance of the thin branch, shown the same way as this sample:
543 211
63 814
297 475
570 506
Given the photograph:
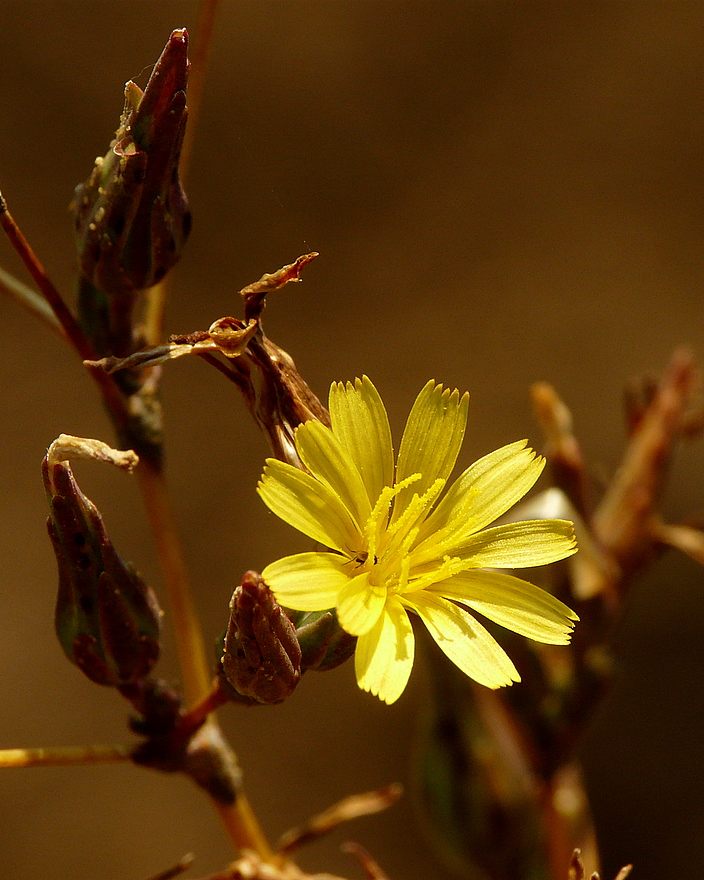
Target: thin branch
199 68
370 866
183 865
193 657
31 300
111 395
64 755
239 820
156 297
199 713
562 451
349 808
44 283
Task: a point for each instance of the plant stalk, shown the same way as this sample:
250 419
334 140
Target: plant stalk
64 755
238 817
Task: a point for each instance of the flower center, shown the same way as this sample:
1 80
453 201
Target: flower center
387 557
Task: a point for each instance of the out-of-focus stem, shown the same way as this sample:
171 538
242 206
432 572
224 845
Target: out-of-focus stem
238 818
198 714
64 755
30 299
44 283
189 637
199 65
156 296
68 324
243 828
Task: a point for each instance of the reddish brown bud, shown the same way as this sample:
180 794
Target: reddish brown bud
131 215
262 657
107 619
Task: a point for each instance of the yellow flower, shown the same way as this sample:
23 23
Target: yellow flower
395 551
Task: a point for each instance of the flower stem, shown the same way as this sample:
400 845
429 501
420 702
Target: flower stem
189 637
64 755
44 283
30 299
201 53
238 818
198 714
243 827
67 324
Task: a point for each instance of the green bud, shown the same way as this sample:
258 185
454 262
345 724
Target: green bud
324 644
107 619
131 215
262 659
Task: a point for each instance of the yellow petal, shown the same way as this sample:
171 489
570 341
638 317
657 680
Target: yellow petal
360 422
431 441
464 640
360 604
325 457
483 493
307 581
384 656
518 545
512 602
309 506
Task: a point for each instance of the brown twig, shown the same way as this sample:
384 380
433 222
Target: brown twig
349 808
626 521
563 450
198 714
370 866
30 300
41 279
111 395
183 865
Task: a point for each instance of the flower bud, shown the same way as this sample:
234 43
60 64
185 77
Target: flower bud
261 659
324 644
107 619
131 215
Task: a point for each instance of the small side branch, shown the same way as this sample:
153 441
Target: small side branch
349 808
64 755
41 279
30 300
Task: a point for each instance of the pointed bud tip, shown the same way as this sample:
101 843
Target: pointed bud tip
262 658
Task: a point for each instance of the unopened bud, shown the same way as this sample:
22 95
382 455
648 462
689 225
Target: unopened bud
324 644
262 658
131 215
107 619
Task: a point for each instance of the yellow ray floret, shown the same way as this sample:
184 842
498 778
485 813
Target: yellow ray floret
398 550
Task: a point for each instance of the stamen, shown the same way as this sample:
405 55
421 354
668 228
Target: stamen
450 565
412 518
379 516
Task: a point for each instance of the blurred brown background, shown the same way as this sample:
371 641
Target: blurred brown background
501 192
